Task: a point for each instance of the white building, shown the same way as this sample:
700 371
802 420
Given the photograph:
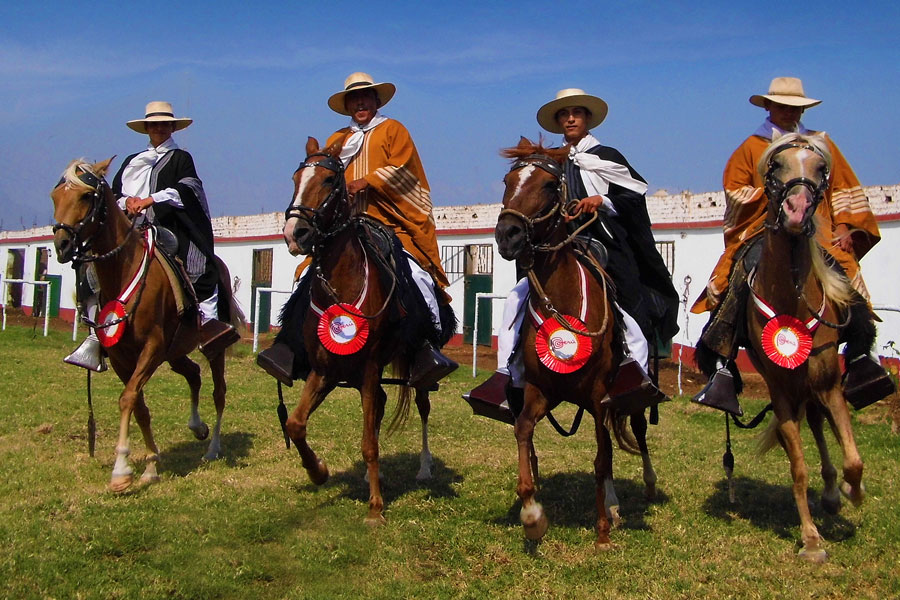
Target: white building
688 229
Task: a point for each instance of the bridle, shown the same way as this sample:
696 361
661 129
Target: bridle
96 216
337 199
556 209
776 190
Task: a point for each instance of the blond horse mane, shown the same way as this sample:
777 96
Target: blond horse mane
70 173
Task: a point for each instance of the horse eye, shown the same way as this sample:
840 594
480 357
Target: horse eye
329 180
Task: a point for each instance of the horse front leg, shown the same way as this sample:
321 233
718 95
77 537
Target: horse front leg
839 418
789 430
313 394
131 401
373 401
610 499
831 497
602 475
217 368
532 514
426 461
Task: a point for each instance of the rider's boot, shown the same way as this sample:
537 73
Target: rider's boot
720 392
215 336
89 355
429 366
632 391
866 382
278 361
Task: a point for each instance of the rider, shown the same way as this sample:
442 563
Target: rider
599 180
162 182
386 181
847 230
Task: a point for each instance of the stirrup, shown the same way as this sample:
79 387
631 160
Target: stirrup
491 399
632 391
89 355
719 393
866 382
216 336
429 367
278 361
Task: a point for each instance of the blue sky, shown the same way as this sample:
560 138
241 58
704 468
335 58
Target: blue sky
255 77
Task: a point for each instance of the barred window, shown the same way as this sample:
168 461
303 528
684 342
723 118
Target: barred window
667 251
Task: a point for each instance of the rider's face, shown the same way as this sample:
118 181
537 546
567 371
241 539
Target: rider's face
362 105
573 120
160 131
785 117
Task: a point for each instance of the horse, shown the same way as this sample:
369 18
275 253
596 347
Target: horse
531 230
350 329
793 322
90 227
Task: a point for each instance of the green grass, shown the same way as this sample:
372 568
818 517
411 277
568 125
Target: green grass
252 526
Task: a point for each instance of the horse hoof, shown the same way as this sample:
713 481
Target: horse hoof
650 492
319 474
534 521
120 483
831 503
212 455
854 495
604 546
201 431
423 475
149 479
376 521
816 556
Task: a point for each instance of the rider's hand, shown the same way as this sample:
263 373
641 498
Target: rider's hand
588 205
134 205
842 238
356 185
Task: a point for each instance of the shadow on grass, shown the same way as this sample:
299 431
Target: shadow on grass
772 507
181 459
398 478
569 500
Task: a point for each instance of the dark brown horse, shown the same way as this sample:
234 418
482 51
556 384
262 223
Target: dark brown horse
90 227
531 229
353 345
799 302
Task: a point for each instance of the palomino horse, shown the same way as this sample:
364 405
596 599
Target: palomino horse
348 332
793 327
531 229
90 227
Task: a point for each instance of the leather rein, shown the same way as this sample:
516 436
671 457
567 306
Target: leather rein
336 200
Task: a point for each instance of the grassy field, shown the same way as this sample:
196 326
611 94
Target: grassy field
252 526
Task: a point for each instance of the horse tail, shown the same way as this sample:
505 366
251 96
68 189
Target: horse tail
228 305
400 368
768 437
618 424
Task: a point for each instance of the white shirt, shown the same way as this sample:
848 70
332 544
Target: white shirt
136 176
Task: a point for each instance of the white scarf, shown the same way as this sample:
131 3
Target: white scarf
136 175
597 173
353 144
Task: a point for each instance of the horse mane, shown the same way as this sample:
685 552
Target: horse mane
528 148
70 173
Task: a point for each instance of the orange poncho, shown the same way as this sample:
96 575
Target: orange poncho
398 194
745 214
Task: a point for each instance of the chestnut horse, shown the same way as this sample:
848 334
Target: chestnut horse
792 281
531 229
346 273
90 227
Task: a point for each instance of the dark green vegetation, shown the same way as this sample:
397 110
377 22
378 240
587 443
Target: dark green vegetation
252 526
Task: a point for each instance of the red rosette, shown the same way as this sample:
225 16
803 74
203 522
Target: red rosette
113 311
786 341
340 331
559 349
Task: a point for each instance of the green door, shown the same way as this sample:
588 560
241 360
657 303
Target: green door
55 291
472 285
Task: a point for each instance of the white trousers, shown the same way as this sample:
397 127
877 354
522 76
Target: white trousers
209 309
511 327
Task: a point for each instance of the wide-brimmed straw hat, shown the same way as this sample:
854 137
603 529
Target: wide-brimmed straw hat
158 112
785 90
546 115
360 81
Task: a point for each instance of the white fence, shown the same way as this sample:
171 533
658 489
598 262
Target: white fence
46 284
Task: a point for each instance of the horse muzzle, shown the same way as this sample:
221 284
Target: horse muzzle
797 208
511 238
299 235
65 246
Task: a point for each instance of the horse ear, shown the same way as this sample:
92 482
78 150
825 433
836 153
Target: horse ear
776 134
102 167
524 142
820 135
312 145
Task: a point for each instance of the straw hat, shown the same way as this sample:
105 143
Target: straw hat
361 81
156 112
785 90
546 115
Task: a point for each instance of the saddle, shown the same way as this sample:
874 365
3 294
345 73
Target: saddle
166 253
